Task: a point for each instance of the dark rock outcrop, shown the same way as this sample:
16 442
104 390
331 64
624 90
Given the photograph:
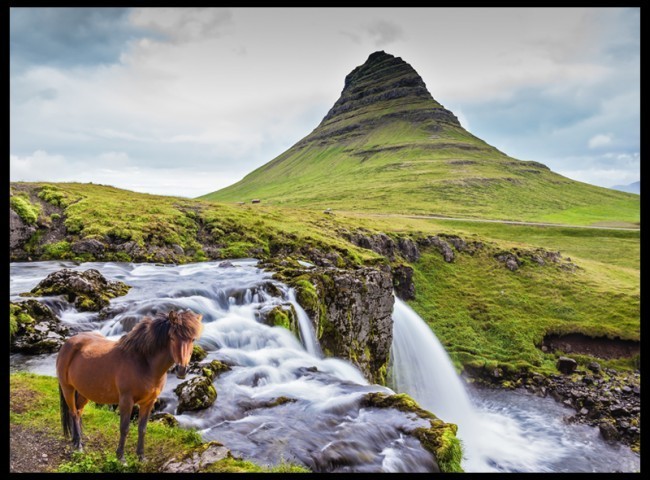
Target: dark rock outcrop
35 328
384 245
403 282
88 290
352 314
19 231
441 245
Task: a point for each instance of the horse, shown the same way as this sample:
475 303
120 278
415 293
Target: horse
129 371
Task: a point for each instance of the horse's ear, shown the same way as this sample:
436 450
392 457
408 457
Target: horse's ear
173 318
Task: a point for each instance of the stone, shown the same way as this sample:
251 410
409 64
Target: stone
165 418
199 459
88 290
566 365
608 431
594 367
38 330
197 393
584 411
408 249
88 245
19 231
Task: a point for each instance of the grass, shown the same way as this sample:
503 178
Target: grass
34 401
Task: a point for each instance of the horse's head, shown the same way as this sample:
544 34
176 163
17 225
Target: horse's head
185 327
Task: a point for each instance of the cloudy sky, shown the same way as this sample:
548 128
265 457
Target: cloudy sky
187 101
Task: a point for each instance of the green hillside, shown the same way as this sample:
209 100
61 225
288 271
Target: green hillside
387 146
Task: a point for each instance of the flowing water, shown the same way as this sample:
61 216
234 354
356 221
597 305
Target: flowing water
323 426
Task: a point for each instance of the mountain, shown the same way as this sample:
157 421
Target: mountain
634 187
387 146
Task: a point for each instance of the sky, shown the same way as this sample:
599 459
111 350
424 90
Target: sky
186 101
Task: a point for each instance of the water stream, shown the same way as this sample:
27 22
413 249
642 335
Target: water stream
323 427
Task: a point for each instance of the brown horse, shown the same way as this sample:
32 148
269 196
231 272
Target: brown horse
127 372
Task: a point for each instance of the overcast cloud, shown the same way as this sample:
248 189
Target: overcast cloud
187 101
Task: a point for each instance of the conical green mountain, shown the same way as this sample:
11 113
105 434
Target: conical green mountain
387 146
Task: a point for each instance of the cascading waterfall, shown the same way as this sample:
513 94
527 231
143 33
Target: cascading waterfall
495 437
322 425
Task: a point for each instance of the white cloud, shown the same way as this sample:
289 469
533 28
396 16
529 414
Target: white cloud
600 140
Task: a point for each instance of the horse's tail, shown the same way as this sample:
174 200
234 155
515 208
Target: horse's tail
65 414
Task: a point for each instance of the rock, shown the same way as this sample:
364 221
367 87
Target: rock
403 282
511 262
197 460
618 410
89 245
19 231
608 431
459 244
198 393
198 353
584 411
442 246
379 243
226 264
165 418
626 389
178 250
408 249
594 367
88 290
566 365
352 315
37 329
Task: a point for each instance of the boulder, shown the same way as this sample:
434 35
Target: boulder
89 245
197 393
197 460
88 290
566 365
35 328
19 231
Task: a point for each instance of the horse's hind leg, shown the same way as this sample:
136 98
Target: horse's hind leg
70 396
126 406
80 403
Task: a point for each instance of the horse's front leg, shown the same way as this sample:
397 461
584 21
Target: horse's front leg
126 405
145 411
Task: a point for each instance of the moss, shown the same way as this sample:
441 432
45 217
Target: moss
439 438
198 354
53 195
26 210
58 250
201 395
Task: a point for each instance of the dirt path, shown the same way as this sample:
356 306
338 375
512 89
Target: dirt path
32 451
485 220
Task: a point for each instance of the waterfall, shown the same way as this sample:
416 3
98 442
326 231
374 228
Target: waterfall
306 328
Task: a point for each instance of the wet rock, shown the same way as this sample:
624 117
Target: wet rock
226 264
165 418
608 431
566 365
351 311
198 353
88 290
197 460
198 393
177 250
35 328
403 282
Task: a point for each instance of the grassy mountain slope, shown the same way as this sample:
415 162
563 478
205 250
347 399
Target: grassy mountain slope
482 312
388 146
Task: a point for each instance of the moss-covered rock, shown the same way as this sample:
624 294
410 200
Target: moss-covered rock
34 329
88 290
198 393
439 437
198 354
352 314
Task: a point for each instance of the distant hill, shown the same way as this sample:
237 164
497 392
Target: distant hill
387 146
634 187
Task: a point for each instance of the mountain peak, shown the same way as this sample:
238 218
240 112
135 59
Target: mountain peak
383 89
